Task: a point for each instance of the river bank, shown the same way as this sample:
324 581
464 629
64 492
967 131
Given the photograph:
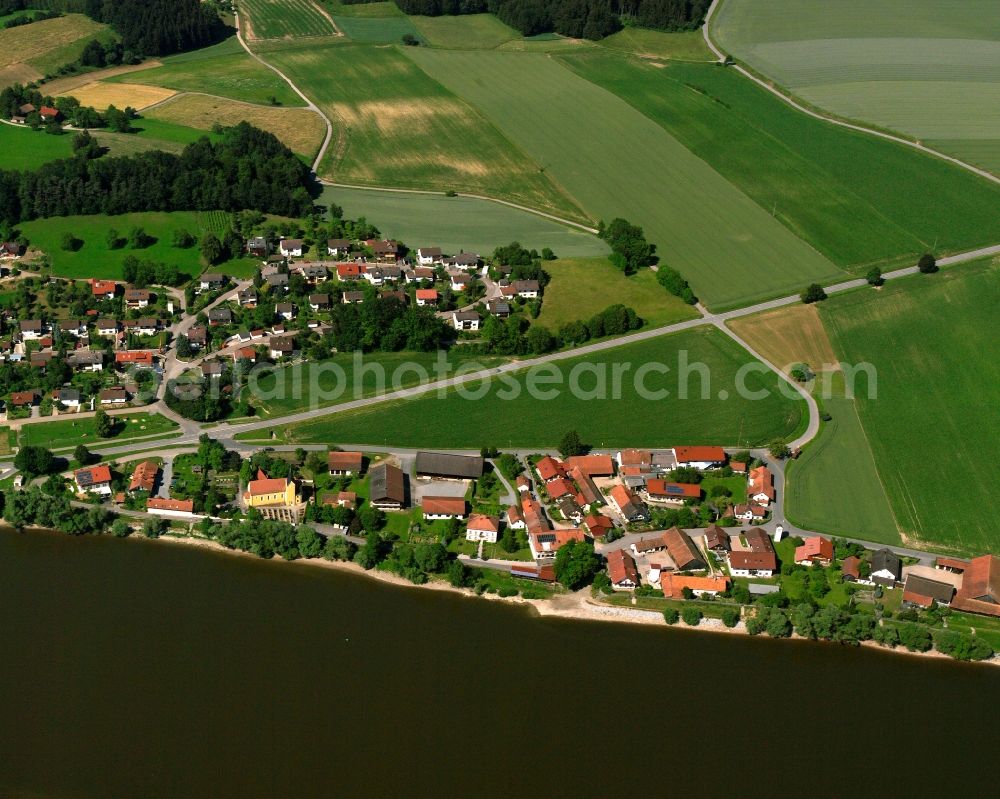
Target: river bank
578 606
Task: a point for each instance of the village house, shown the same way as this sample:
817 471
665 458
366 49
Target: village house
850 570
682 551
313 273
342 499
622 570
211 281
419 273
428 256
598 525
349 272
247 298
387 487
285 310
85 360
10 249
402 296
353 297
535 519
591 465
144 477
220 316
528 289
761 486
197 337
887 568
291 248
33 329
523 483
749 512
94 480
443 507
464 260
546 543
482 528
344 464
587 491
559 487
549 468
137 298
67 397
258 247
103 289
146 326
814 550
923 592
662 492
461 281
212 369
245 353
427 297
170 507
717 540
24 399
628 504
113 397
73 327
282 347
140 359
40 360
49 114
107 327
275 498
514 518
498 308
570 509
319 302
673 585
337 247
754 556
278 281
700 457
385 251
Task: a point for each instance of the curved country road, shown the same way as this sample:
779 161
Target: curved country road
833 120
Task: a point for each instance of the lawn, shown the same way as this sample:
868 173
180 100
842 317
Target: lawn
398 127
505 414
680 46
886 63
24 148
833 487
934 421
376 30
95 259
62 432
300 129
617 162
300 387
465 32
582 287
836 189
460 224
220 70
276 19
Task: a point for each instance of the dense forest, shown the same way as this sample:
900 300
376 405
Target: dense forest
248 168
148 27
586 19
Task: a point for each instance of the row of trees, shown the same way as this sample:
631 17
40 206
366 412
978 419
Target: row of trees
34 508
248 168
587 19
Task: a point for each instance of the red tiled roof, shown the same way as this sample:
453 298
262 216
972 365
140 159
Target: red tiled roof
560 487
98 474
850 566
621 567
549 468
182 505
265 485
480 521
592 465
694 454
554 540
427 294
761 482
673 585
102 287
661 488
345 461
621 495
636 457
134 356
144 476
346 271
598 524
980 590
443 506
814 548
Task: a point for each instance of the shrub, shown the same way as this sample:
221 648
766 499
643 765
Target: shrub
692 616
927 263
814 293
730 617
670 616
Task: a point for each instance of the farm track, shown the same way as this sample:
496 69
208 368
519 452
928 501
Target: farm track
721 56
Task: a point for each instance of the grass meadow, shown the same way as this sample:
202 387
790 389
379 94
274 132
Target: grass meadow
377 30
680 46
617 162
95 259
398 127
454 421
466 32
582 287
928 69
460 224
277 19
23 148
934 428
70 432
838 190
834 487
221 70
50 44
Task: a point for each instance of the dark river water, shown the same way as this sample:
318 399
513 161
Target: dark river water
140 669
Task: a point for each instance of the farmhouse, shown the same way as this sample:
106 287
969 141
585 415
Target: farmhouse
170 507
344 463
980 589
814 550
534 517
682 551
144 477
547 543
291 248
886 568
439 464
761 485
622 570
103 289
482 528
924 592
86 360
258 247
673 585
443 507
592 465
717 540
598 525
514 518
700 457
137 298
387 487
549 468
95 479
753 555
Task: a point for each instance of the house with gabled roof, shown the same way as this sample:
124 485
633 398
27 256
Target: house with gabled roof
291 248
761 486
752 554
342 464
700 457
622 570
980 589
815 550
482 527
94 480
628 504
387 487
546 543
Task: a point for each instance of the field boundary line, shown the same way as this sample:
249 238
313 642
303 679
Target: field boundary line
788 99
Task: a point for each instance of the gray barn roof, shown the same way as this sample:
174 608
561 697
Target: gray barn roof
440 464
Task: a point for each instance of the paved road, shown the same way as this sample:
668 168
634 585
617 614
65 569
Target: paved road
833 120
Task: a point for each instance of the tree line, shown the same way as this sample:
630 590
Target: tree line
580 19
248 168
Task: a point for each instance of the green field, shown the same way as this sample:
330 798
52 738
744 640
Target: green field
934 422
928 69
582 287
300 387
454 421
397 127
277 19
838 190
617 162
70 432
94 259
833 486
376 30
381 9
28 52
682 46
460 224
220 70
23 148
466 32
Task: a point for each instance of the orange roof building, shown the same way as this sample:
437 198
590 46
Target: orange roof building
699 456
144 477
673 585
980 590
443 507
155 504
546 543
592 465
761 485
814 549
549 468
622 570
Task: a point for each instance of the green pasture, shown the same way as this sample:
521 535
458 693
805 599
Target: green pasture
934 422
680 46
491 414
465 32
460 224
61 433
398 127
582 287
24 148
376 30
836 189
276 19
617 162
